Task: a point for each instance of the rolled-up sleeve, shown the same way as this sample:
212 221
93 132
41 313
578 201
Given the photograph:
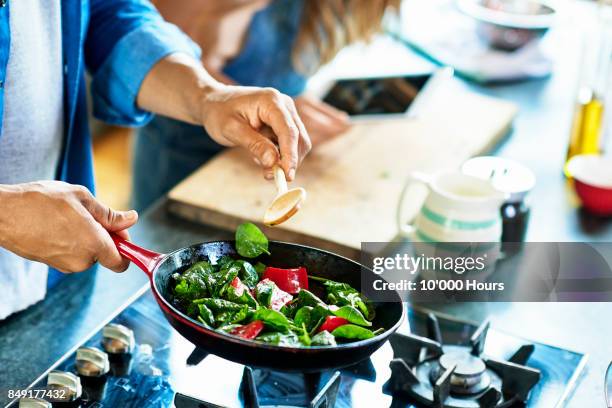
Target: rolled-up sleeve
125 39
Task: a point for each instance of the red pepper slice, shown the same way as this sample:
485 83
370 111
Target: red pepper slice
248 331
279 299
290 280
239 286
332 322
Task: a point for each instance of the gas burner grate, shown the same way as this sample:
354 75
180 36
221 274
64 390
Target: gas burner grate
274 382
325 398
435 374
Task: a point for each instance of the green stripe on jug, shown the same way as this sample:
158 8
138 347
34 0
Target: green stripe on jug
425 238
456 224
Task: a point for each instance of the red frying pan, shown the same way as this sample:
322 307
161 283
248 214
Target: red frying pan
160 267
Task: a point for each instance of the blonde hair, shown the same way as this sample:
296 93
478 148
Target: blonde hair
329 25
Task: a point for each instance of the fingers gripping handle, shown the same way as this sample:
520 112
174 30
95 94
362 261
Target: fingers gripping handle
143 258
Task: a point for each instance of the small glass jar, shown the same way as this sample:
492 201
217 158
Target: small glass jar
515 218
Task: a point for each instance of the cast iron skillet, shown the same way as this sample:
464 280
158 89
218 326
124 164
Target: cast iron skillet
160 267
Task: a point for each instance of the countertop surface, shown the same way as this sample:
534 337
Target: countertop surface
31 341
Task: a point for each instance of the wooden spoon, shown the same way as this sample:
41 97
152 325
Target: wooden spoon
286 203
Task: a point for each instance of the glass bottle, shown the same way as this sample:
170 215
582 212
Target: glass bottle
587 132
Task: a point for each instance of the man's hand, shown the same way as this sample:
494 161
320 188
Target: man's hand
322 120
257 119
61 225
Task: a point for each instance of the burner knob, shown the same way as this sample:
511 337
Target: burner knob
91 362
117 339
34 403
68 381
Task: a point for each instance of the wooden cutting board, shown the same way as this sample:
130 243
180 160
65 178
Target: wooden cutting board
353 182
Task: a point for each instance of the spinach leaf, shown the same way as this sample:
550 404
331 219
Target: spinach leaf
233 316
352 332
289 309
206 315
248 275
245 299
200 280
181 290
264 291
323 338
189 289
192 310
311 317
307 298
203 323
342 294
354 299
224 278
200 268
224 261
303 337
303 316
351 314
280 339
273 319
219 305
193 283
250 241
260 268
317 317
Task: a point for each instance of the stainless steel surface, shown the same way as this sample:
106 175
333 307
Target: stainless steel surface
164 365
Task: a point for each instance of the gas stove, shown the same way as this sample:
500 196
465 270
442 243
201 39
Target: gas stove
138 360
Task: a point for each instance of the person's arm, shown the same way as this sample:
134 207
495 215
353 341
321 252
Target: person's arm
179 87
61 225
142 64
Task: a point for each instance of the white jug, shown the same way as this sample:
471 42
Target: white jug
458 208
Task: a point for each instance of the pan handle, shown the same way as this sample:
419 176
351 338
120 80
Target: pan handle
143 258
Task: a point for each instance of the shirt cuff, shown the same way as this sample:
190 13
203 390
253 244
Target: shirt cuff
116 84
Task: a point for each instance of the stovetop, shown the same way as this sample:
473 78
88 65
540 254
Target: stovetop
165 370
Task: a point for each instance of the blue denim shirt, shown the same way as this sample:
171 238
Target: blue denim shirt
118 42
266 56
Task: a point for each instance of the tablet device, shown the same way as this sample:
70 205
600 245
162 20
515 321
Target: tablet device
382 97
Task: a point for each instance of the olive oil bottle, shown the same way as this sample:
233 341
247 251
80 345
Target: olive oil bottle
588 126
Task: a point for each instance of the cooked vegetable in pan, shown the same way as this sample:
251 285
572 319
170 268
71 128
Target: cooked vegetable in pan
270 304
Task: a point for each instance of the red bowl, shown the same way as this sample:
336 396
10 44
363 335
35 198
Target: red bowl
592 176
